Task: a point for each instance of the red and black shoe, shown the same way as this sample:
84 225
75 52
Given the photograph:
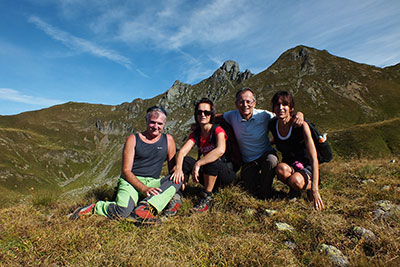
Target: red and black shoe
82 211
203 205
173 205
144 213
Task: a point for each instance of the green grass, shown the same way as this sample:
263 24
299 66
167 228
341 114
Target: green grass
380 139
236 231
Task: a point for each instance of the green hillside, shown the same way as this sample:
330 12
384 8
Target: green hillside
374 140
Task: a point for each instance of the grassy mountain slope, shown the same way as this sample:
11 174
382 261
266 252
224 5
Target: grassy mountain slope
380 139
56 148
68 147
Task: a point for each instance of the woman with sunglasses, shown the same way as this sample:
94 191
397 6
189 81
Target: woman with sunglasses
209 170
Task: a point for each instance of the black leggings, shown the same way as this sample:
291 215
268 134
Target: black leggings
223 171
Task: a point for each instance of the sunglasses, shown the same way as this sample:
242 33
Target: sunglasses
206 112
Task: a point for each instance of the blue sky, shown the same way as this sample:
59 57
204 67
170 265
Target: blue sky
113 51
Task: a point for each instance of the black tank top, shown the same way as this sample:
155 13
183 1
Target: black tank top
149 158
294 147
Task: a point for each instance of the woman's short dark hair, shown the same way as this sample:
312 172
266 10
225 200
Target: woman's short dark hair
286 96
207 101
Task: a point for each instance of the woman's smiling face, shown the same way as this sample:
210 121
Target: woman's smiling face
282 108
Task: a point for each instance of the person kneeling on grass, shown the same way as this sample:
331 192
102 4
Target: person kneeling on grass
299 168
143 157
211 170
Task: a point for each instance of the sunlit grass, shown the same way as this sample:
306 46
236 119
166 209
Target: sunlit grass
236 231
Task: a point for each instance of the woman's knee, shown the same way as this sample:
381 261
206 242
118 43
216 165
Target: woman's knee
211 169
296 181
283 171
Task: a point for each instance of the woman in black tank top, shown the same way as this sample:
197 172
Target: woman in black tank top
299 169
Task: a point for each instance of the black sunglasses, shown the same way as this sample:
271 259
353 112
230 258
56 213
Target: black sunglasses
206 112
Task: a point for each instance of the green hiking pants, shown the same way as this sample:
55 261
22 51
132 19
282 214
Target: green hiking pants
127 197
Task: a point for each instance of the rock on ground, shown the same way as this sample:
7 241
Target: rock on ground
335 254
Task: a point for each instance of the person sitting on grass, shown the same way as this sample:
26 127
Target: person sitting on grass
299 168
210 170
143 157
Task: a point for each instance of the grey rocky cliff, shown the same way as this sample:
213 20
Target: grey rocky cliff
132 109
182 95
230 71
113 127
179 100
177 96
304 57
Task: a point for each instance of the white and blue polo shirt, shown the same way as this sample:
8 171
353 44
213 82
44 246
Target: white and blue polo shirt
252 134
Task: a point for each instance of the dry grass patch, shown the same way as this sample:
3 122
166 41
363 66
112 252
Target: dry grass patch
238 230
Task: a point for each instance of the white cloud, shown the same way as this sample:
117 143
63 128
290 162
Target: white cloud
142 73
16 96
380 50
79 43
215 23
196 30
176 26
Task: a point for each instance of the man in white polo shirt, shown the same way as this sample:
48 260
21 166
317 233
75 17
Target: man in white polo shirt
250 126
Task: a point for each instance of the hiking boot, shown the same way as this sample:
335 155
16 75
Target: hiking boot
203 205
144 213
138 220
79 212
173 205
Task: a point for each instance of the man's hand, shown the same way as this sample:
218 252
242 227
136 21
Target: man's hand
298 119
152 191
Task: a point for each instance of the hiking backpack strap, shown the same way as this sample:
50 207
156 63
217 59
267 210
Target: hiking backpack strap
324 151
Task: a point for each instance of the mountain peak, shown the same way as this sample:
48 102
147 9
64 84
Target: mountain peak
230 66
230 71
303 55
